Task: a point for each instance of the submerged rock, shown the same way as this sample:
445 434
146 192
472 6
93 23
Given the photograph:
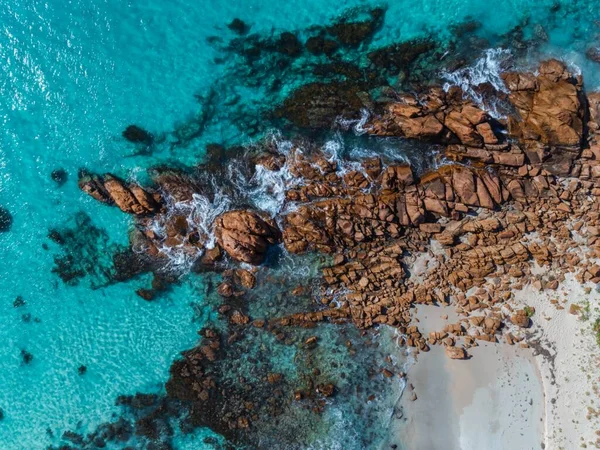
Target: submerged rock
593 54
238 26
137 135
353 33
26 356
6 220
59 176
398 56
318 45
288 44
318 105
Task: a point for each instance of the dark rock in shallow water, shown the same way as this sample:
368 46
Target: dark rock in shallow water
593 54
238 26
317 105
346 70
26 356
318 45
288 44
146 294
59 176
138 401
87 252
463 28
137 135
353 33
73 437
398 56
19 301
128 264
6 220
81 370
54 236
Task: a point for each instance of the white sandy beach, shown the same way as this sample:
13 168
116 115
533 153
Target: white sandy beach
493 401
507 397
568 362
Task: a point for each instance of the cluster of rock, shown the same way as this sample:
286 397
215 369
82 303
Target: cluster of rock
520 191
370 217
539 165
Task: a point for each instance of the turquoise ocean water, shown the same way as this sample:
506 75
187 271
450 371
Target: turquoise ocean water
73 76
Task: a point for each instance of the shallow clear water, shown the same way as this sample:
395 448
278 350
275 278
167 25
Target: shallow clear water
74 75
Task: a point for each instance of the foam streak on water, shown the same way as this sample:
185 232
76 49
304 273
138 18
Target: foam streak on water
200 213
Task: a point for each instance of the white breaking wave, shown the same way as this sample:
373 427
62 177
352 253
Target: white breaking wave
267 188
357 125
203 212
334 150
200 213
486 69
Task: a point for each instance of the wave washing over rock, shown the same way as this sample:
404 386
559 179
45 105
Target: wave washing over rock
333 187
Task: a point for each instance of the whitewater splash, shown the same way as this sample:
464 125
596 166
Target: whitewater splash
486 70
200 213
265 188
357 125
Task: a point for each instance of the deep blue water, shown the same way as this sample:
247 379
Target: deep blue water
74 75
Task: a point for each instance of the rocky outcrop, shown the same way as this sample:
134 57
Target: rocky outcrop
128 197
400 202
436 115
373 215
550 106
551 112
246 235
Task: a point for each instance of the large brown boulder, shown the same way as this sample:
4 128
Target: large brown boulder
550 107
246 235
128 197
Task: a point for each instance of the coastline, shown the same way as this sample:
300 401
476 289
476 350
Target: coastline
470 234
494 400
567 356
530 396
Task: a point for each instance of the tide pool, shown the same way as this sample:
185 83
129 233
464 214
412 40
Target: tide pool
74 75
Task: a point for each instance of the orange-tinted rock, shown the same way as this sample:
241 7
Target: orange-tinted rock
521 319
456 353
397 177
129 198
550 107
245 235
245 278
